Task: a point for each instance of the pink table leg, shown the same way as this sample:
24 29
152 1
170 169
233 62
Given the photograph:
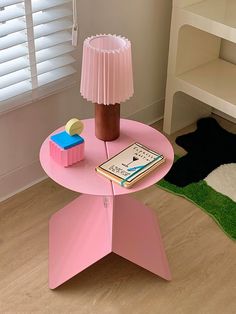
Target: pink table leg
137 237
91 227
79 235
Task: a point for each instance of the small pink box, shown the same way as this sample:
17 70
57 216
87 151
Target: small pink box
66 157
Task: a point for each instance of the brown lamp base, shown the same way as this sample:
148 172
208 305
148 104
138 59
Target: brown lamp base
107 121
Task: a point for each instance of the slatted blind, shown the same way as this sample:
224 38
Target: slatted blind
35 47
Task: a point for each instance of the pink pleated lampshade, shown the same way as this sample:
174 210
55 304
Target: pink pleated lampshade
107 76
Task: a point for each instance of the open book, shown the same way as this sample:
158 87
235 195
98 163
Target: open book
130 165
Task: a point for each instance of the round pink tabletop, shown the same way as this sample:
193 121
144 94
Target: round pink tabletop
82 176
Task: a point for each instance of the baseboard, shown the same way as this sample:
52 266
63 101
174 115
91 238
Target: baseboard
149 114
22 178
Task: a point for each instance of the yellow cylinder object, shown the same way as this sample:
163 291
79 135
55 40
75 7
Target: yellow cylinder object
74 126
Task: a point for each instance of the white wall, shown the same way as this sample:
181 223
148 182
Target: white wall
146 23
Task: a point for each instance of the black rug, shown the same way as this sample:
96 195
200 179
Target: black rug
207 148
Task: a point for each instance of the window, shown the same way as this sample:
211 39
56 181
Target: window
36 54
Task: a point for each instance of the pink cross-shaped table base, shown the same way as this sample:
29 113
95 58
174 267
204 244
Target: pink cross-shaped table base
105 219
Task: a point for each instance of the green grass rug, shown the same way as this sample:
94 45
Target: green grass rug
220 207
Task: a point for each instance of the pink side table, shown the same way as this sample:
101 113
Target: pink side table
105 219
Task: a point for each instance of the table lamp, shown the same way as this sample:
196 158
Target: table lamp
107 80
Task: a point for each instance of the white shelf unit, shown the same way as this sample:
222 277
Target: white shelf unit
194 66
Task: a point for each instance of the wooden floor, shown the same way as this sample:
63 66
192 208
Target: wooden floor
202 260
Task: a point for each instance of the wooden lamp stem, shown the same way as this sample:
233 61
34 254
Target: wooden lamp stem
107 121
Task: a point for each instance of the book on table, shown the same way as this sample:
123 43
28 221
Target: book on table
131 164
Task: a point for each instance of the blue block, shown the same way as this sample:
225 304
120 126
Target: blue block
65 141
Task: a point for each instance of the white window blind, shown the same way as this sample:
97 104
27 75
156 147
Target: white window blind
36 54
